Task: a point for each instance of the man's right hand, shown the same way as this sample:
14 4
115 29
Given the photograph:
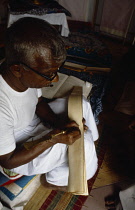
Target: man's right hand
69 137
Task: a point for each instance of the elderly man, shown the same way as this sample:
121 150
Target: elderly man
34 53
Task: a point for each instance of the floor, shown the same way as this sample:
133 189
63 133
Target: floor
96 199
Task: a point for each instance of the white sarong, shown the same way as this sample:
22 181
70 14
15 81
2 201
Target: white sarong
54 161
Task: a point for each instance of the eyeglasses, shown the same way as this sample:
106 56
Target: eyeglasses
42 75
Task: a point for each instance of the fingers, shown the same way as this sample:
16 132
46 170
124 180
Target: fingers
85 127
72 124
69 137
73 134
83 121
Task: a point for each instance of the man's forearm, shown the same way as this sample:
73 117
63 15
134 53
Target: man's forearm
21 155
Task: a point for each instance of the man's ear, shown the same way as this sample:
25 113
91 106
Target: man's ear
16 70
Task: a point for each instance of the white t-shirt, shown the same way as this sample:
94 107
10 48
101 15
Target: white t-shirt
17 115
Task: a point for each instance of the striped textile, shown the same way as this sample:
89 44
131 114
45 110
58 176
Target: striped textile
14 189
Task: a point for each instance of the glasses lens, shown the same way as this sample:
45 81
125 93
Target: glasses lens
42 75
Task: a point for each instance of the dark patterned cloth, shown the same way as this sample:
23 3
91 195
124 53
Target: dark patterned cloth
88 50
99 84
44 7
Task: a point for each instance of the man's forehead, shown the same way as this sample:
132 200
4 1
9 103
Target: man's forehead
44 62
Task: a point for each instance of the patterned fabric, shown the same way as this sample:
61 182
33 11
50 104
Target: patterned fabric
14 189
4 180
86 48
99 82
24 6
9 174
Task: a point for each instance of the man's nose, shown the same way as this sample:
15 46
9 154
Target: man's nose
56 79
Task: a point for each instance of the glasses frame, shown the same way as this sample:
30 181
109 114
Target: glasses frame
40 74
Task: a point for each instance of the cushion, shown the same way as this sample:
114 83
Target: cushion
20 200
13 189
7 176
87 49
5 180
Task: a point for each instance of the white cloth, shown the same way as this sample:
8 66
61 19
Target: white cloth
127 198
54 19
3 207
53 161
